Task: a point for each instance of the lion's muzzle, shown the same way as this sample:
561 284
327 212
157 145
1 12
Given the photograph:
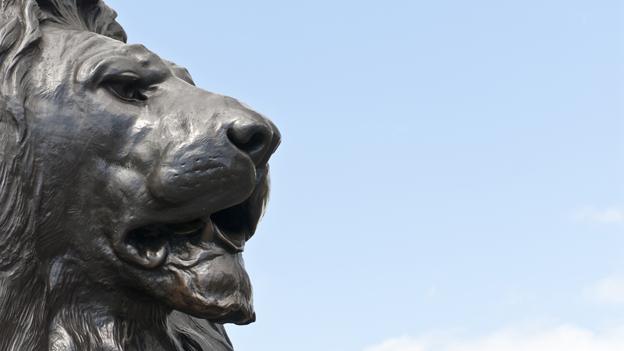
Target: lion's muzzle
209 185
217 157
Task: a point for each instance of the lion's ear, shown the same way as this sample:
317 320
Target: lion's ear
102 19
95 15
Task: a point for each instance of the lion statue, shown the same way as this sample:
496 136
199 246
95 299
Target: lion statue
126 193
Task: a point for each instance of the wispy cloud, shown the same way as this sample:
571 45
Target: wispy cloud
606 215
563 338
609 290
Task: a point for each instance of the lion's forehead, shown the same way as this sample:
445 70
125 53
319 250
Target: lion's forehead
71 49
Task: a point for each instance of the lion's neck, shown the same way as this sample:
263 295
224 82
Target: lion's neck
92 326
37 313
97 320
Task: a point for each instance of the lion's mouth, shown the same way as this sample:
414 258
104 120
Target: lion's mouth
150 245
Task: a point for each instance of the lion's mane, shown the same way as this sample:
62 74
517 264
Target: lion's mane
19 34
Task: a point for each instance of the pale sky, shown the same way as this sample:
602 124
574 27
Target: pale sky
452 172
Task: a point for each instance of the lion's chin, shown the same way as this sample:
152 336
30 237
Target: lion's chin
216 289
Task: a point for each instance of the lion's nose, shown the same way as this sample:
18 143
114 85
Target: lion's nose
257 138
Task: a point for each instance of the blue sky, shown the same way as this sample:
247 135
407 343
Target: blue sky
452 172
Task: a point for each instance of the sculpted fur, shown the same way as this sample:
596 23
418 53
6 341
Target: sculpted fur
126 193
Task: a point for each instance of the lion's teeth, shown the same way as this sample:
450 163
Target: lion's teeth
228 241
208 233
156 258
185 232
186 228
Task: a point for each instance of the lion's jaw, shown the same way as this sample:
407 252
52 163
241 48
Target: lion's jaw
154 195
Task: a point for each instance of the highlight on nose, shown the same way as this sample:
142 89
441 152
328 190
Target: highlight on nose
252 137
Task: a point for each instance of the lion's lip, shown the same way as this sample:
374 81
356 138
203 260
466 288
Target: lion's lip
150 245
185 243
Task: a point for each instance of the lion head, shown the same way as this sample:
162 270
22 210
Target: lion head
126 193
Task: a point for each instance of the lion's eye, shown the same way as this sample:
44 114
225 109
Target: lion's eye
127 89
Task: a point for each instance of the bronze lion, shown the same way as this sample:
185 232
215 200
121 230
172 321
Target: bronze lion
126 193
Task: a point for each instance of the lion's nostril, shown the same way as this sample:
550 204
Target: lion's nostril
252 138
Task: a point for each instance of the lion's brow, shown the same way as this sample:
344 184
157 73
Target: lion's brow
129 58
144 57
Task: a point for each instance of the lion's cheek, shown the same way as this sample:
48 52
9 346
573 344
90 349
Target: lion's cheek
218 290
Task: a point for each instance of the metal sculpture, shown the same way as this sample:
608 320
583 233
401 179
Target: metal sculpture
126 193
